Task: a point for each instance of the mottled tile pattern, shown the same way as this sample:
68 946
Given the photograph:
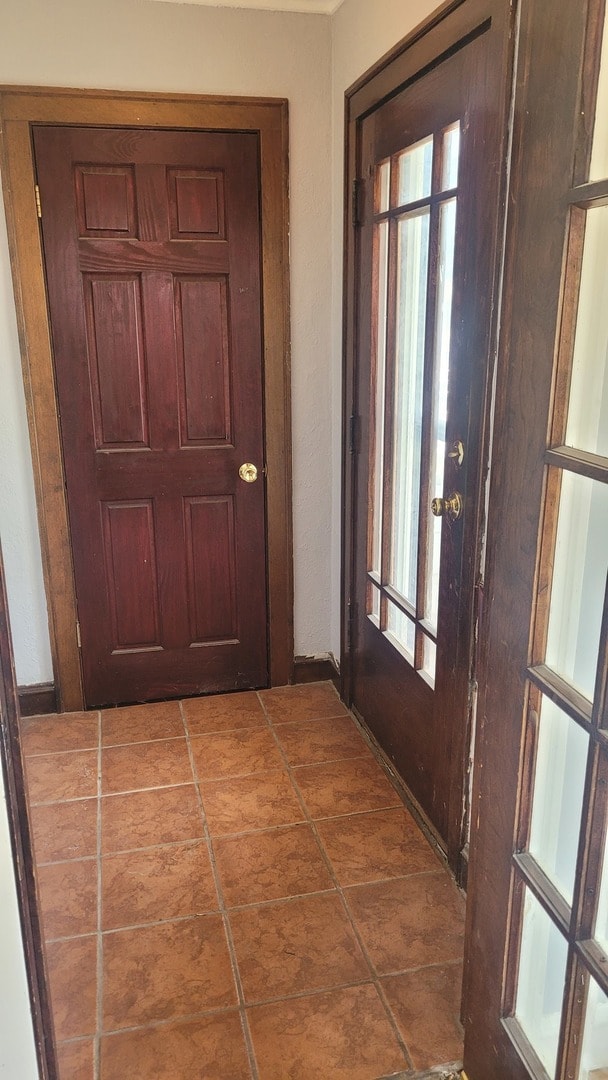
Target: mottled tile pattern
165 971
426 1006
270 865
265 814
155 884
341 1035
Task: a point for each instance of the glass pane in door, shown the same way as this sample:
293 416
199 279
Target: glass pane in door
579 581
378 399
588 412
415 172
559 782
594 1057
412 261
599 158
540 986
601 924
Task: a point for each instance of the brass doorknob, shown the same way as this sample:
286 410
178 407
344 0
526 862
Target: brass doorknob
450 508
248 473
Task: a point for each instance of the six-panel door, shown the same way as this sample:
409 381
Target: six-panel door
152 255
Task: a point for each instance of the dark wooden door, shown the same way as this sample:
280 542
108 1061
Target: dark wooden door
430 167
536 978
152 252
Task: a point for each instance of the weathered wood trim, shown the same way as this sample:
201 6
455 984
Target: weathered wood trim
309 669
37 700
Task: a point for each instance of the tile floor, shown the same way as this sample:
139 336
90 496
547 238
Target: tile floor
232 889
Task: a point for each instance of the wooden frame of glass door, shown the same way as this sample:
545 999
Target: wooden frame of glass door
532 468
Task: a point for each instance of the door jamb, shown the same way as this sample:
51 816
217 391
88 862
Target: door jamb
20 107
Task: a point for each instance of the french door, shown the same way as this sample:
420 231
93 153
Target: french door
429 162
536 1000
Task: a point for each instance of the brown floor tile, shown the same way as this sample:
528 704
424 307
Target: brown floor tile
145 765
235 753
373 847
313 701
294 946
141 723
345 787
165 972
224 712
212 1048
249 803
51 777
66 731
68 898
309 742
72 971
270 865
156 884
64 830
148 818
426 1006
410 923
342 1035
75 1060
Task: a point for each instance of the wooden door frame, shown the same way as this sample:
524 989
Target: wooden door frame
12 768
20 107
455 22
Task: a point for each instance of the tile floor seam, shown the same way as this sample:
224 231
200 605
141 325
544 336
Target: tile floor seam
311 719
222 908
374 975
99 1014
187 1018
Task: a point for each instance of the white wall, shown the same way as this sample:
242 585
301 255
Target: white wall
362 32
17 1047
133 44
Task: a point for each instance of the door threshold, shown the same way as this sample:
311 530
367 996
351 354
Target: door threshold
439 1072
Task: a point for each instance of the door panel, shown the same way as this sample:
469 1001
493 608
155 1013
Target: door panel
537 966
152 256
427 245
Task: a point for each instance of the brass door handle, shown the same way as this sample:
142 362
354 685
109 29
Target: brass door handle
450 508
248 473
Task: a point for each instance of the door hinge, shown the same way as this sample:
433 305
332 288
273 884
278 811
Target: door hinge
78 635
352 433
38 202
357 201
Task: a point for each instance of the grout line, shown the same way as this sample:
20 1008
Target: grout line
97 1040
375 979
223 912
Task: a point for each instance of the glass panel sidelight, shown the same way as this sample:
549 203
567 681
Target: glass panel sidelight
588 413
378 399
415 172
409 389
451 154
599 159
594 1056
559 783
401 630
445 276
601 923
412 274
579 581
540 986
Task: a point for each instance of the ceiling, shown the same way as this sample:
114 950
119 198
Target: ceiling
313 7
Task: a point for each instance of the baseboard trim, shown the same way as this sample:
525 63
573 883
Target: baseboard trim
316 669
37 700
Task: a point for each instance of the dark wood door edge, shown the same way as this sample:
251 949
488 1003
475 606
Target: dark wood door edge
21 844
307 669
37 700
20 108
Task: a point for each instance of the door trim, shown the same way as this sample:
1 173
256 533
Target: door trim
452 25
20 107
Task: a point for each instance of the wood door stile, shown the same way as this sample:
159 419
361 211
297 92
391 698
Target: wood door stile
265 121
